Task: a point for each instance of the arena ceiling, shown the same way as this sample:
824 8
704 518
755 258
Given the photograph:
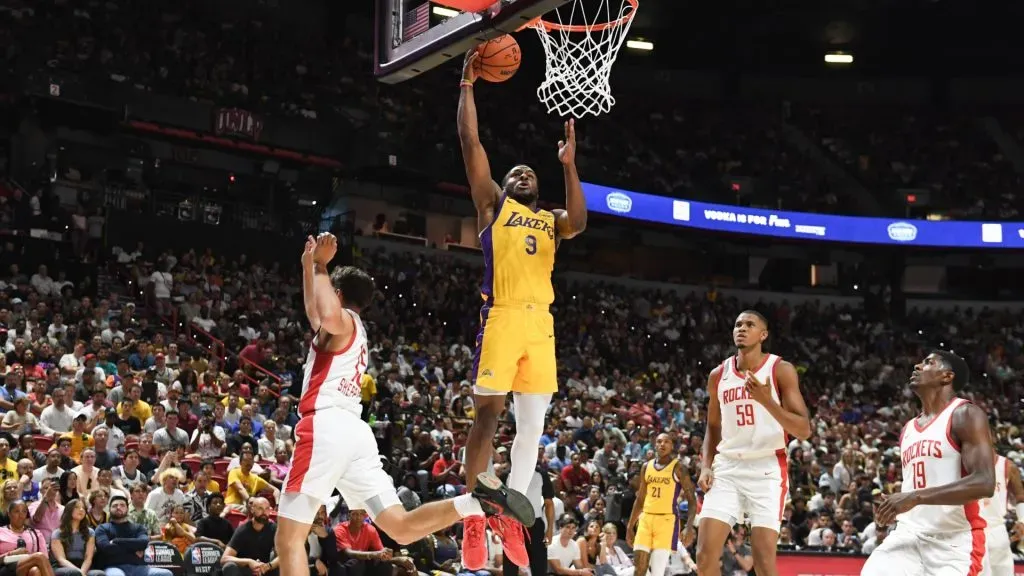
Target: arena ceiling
920 37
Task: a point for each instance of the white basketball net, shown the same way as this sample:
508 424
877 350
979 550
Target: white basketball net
579 63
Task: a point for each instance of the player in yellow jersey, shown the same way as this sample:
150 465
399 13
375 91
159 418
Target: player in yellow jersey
654 524
515 349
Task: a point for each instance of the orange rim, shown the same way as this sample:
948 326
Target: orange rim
581 28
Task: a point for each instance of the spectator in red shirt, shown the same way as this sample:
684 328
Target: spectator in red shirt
446 472
239 386
360 544
575 480
253 352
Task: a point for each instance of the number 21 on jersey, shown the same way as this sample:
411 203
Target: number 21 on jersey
744 414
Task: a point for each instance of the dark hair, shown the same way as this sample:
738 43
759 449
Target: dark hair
67 488
213 496
956 365
355 285
767 328
567 520
65 524
120 497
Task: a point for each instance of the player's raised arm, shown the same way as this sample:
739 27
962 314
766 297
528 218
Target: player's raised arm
573 219
484 189
309 284
712 431
1015 488
332 319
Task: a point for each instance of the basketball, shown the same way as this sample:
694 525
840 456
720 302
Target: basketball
499 59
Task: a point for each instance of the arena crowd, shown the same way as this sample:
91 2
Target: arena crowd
169 402
688 148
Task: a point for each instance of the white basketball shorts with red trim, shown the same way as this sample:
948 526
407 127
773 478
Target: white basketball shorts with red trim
905 552
335 449
756 489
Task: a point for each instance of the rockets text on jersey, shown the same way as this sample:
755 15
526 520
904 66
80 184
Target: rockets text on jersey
749 431
931 457
994 509
333 379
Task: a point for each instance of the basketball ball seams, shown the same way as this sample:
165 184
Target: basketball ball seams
499 59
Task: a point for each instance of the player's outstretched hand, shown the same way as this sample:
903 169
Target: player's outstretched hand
307 251
326 248
706 479
470 66
567 147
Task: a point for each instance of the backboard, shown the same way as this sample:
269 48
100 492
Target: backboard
410 38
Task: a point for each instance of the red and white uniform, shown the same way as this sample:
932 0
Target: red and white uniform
750 474
332 379
932 540
334 448
994 511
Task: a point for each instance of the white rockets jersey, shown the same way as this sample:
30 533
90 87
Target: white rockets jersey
334 379
994 509
748 430
931 458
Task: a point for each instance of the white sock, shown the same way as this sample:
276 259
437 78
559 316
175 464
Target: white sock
467 505
530 412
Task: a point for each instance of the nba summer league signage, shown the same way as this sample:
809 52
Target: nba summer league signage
802 225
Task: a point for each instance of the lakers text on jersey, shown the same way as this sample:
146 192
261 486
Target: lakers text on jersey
658 526
515 348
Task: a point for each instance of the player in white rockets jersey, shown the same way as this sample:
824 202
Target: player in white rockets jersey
754 402
993 509
334 448
948 468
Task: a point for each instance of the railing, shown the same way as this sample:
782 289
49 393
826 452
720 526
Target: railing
216 346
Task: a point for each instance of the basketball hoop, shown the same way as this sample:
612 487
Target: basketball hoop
580 52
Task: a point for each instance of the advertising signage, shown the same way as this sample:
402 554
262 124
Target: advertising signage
802 225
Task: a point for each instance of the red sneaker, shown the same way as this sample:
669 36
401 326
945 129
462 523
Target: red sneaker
474 543
512 541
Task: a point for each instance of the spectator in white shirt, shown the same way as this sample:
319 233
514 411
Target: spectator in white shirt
52 468
57 417
113 330
42 282
244 330
69 363
269 444
158 420
162 282
563 553
170 436
57 330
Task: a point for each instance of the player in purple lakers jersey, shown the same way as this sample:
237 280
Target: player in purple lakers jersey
515 349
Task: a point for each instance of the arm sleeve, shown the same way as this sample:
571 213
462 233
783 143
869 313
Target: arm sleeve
547 489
